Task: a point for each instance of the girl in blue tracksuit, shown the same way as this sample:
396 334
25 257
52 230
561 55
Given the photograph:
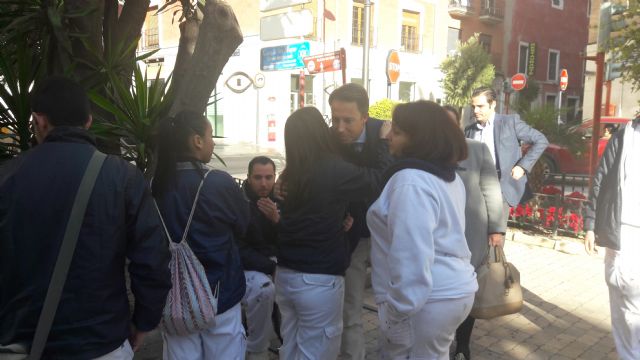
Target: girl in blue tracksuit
185 146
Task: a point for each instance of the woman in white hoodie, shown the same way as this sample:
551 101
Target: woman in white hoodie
422 278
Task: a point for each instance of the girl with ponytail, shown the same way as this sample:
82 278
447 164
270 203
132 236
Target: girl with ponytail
184 146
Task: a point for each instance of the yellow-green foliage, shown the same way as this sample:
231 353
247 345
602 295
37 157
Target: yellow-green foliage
382 109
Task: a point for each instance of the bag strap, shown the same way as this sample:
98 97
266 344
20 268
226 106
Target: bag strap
193 208
65 255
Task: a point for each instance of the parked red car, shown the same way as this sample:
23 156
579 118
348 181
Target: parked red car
558 159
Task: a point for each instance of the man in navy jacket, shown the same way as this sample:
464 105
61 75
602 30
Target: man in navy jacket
258 253
37 191
362 142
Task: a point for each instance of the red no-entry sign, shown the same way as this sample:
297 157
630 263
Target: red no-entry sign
518 81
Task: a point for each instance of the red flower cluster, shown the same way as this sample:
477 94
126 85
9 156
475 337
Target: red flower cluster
568 216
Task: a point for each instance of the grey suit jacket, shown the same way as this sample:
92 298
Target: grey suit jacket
483 210
508 132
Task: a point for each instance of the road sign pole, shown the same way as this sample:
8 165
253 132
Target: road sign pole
559 106
597 108
365 48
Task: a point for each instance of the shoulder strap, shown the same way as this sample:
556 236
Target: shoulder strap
193 208
65 255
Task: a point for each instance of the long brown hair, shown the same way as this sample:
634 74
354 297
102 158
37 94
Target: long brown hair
307 140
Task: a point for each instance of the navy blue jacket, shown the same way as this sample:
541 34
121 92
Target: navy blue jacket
311 238
260 242
375 156
37 191
221 215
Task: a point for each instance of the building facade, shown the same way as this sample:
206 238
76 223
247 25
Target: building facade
417 29
534 37
618 97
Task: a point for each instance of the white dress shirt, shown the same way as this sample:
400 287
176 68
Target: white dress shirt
485 135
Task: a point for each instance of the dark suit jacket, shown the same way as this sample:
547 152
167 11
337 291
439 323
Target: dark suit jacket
508 132
376 158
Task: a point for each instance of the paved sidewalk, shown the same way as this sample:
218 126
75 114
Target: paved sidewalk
565 316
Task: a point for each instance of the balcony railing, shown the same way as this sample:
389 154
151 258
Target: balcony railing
491 14
460 8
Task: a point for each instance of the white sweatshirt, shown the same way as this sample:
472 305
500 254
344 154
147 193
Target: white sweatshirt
418 248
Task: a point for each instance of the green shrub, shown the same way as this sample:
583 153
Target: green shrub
382 109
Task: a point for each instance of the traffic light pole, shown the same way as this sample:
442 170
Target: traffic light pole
597 109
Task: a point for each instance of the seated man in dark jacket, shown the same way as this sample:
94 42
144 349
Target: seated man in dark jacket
37 191
258 251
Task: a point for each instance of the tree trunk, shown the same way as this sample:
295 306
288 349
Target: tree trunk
218 37
128 32
189 31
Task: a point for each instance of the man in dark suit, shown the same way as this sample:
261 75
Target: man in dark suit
503 135
362 142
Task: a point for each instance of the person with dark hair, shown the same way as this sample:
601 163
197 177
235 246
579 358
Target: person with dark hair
258 253
361 142
419 220
182 182
313 251
503 134
484 221
37 193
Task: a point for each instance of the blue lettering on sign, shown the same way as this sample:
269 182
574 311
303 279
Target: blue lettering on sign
284 57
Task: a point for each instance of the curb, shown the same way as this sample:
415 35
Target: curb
572 247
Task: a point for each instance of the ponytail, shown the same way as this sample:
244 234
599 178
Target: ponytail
172 145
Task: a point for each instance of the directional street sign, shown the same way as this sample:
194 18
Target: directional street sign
325 62
284 57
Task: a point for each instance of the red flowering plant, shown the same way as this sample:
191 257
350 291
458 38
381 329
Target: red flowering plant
549 211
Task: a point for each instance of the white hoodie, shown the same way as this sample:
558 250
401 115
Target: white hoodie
418 248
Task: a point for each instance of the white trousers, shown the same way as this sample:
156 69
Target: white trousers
353 342
622 274
123 352
428 334
225 340
311 309
258 301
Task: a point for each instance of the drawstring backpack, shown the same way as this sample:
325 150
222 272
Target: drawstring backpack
191 304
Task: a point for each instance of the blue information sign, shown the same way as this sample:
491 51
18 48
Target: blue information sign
284 57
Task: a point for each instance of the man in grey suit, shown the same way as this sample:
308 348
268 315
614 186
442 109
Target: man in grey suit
503 135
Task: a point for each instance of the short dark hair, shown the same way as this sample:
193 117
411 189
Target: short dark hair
432 135
352 93
486 91
262 160
62 100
